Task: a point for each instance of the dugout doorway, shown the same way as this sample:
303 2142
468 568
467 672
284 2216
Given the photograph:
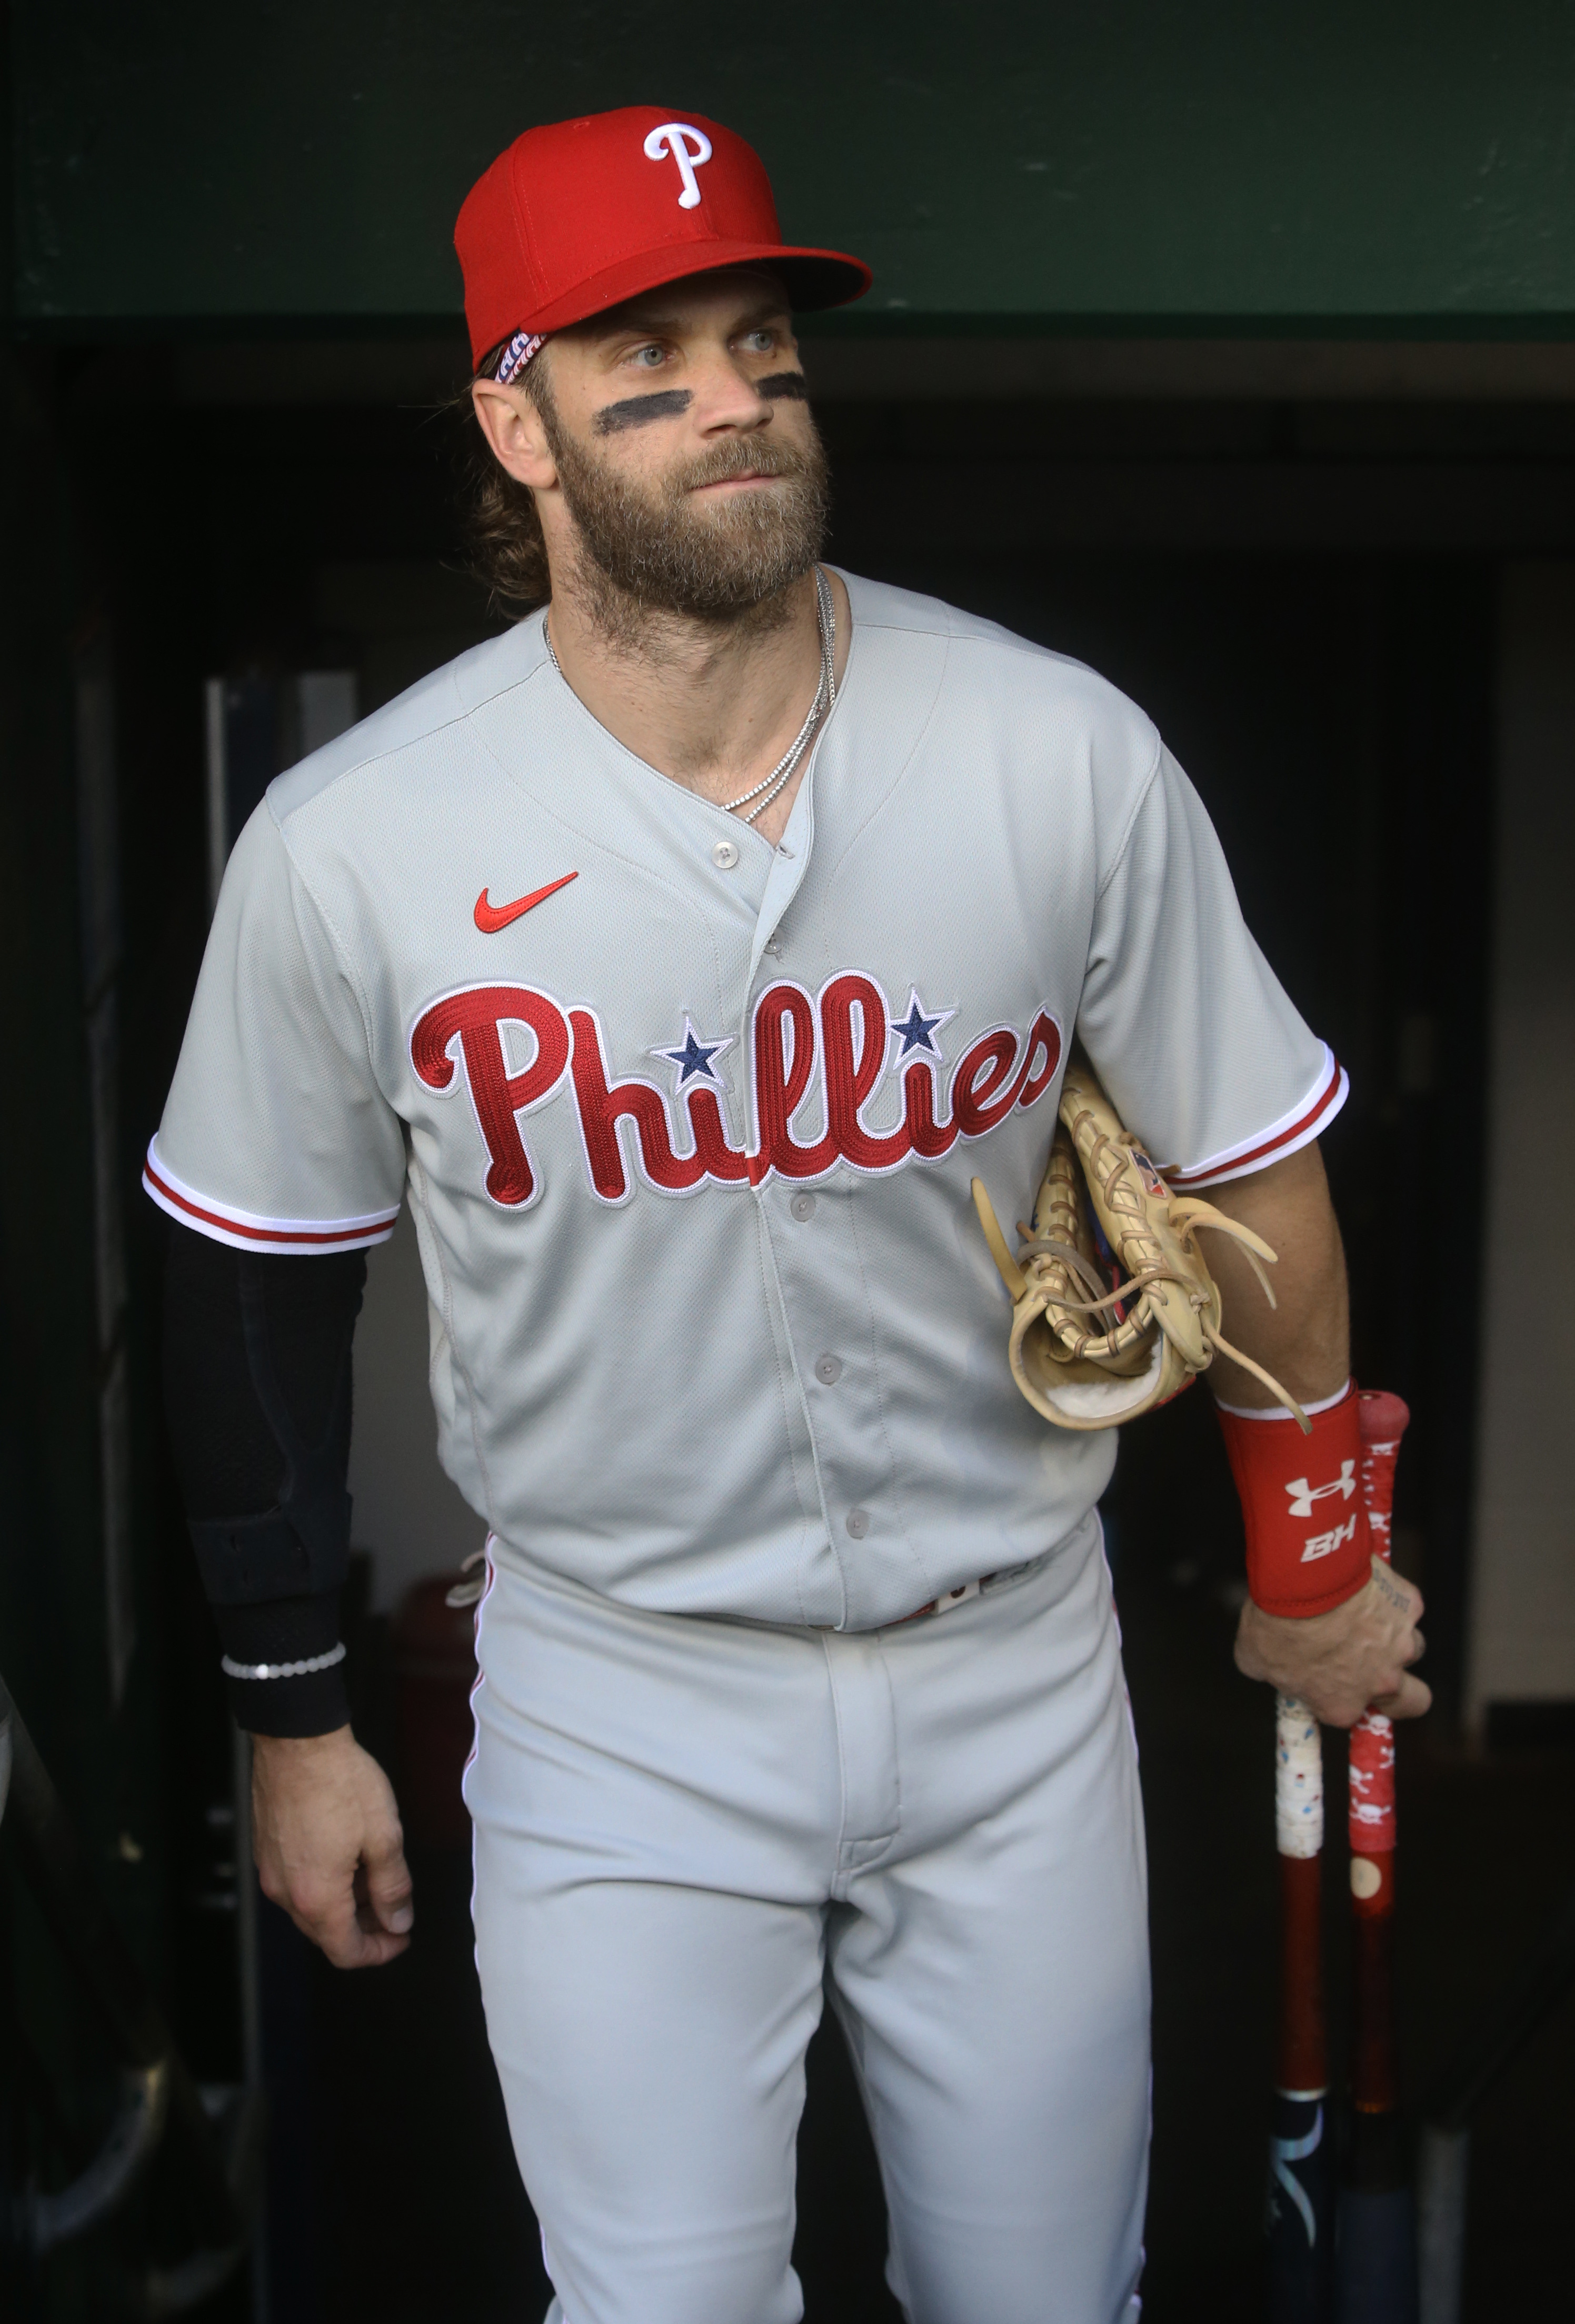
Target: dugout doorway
1307 594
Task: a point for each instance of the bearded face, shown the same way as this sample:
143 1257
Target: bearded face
649 545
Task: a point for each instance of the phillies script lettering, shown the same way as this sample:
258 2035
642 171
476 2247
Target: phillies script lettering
840 1041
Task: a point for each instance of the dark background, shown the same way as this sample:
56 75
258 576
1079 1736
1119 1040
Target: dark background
1304 598
1229 350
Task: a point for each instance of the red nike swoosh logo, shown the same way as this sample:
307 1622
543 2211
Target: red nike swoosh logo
490 918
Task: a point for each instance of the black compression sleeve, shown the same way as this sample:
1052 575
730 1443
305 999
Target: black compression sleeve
258 1393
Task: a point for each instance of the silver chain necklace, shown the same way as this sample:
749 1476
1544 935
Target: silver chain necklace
764 792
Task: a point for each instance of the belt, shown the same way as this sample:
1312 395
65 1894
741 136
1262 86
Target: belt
950 1598
947 1600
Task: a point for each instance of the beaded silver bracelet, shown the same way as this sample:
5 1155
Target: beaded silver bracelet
282 1670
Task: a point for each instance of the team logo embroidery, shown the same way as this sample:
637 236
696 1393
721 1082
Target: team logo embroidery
694 1058
671 138
916 1031
814 1066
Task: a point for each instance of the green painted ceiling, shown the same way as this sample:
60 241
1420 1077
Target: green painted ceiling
1372 165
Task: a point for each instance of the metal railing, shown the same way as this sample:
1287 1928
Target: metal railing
218 2130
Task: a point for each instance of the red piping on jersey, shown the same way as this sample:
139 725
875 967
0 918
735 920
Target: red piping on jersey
264 1234
1239 1164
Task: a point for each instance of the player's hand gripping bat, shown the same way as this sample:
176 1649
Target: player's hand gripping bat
1376 2244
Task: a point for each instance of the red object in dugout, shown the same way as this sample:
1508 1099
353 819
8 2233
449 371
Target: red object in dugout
1308 1543
580 215
1370 1818
1370 1815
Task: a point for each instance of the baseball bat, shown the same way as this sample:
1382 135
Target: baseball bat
1299 2208
1376 2243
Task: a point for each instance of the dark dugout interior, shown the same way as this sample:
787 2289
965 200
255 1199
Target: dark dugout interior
1304 595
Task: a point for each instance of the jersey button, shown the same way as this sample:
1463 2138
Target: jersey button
724 854
802 1207
858 1523
828 1371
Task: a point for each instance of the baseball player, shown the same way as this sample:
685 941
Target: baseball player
680 956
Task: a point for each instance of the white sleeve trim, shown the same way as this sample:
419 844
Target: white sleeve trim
1308 1118
1283 1411
245 1231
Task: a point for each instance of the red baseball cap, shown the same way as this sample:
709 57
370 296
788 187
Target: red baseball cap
580 215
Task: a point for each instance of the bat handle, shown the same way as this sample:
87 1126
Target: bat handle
1376 2277
1371 1817
1302 2064
1300 2178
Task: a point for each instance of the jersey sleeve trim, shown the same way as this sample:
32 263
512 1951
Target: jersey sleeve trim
1307 1120
245 1230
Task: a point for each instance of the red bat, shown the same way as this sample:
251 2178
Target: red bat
1299 2207
1377 2270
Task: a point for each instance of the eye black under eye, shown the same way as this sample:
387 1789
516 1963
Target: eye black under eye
638 411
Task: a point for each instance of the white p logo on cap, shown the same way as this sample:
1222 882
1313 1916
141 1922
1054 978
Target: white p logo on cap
671 139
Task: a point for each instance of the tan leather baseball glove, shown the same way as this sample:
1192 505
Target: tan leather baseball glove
1106 1324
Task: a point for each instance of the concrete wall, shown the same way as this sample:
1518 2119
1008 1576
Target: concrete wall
1523 1624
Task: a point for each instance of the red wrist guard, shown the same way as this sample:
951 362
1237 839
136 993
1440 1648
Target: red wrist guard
1308 1545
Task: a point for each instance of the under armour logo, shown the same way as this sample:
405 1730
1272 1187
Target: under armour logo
1303 1495
671 139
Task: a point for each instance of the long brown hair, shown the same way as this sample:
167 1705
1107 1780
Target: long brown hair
500 529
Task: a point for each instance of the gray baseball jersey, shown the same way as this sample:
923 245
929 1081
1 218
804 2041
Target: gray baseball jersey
688 1122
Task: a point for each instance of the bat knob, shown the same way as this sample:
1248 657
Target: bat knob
1385 1417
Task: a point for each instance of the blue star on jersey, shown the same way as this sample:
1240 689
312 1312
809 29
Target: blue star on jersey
693 1060
916 1031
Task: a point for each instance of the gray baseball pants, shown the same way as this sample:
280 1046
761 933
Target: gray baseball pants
682 1825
